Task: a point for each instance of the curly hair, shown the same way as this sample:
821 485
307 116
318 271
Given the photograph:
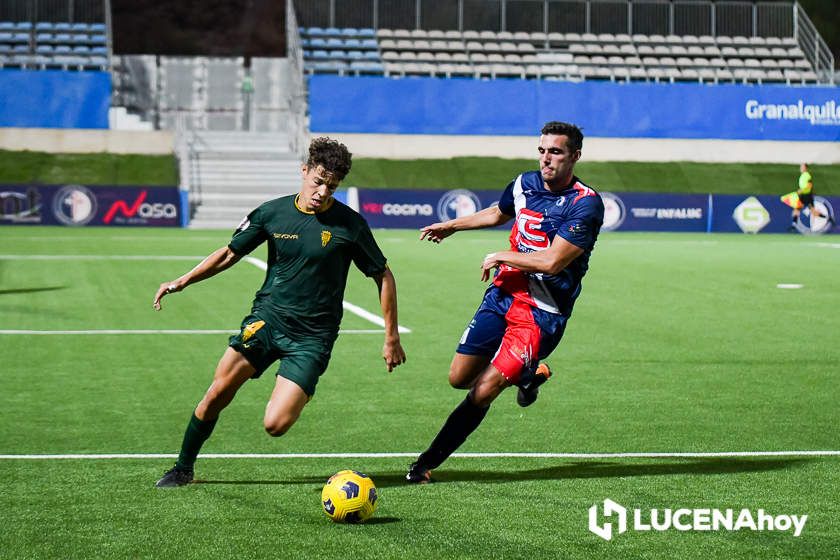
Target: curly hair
570 131
330 154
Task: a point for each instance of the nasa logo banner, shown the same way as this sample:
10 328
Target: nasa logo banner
90 205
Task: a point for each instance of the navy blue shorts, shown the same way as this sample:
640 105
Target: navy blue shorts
515 334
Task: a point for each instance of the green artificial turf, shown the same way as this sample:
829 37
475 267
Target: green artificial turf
678 343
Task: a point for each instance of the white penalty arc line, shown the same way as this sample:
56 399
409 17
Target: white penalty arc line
262 265
639 455
352 308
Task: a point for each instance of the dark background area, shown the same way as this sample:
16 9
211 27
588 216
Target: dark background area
200 27
257 27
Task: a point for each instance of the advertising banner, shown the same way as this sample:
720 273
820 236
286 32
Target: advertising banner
417 208
79 205
395 208
54 98
603 109
768 214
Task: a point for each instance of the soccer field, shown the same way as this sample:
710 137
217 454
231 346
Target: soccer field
682 347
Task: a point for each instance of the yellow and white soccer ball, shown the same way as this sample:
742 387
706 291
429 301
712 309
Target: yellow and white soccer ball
349 497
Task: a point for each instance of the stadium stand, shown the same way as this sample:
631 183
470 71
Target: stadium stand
565 56
45 45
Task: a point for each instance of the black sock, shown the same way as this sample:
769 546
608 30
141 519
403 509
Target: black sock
461 423
195 435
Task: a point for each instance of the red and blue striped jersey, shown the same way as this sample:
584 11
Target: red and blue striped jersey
575 214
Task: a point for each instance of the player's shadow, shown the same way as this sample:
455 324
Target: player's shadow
31 290
600 469
580 469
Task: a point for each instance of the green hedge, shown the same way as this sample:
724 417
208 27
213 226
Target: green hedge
464 172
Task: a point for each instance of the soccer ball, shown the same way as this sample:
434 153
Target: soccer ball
349 497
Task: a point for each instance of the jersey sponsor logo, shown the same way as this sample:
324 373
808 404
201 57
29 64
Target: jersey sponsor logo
250 329
286 236
528 224
75 205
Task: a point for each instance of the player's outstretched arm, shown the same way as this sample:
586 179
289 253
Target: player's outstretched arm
219 260
489 217
392 350
549 261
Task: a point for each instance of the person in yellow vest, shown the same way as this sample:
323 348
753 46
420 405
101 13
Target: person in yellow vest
805 194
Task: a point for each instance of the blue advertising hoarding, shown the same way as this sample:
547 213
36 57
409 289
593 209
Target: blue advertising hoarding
368 104
712 213
54 98
79 205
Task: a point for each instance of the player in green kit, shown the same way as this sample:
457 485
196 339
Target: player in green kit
312 239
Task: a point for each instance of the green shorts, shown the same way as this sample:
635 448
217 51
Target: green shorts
301 360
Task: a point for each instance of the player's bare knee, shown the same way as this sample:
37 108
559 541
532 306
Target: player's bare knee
276 427
458 380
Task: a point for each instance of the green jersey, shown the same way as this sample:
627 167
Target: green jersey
805 183
309 255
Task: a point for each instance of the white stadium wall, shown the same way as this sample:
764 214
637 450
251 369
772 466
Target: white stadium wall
81 141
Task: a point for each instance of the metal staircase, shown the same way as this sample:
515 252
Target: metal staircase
231 173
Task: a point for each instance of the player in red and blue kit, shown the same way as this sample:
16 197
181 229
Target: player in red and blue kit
524 312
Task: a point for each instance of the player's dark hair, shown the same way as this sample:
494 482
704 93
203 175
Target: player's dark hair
330 154
572 132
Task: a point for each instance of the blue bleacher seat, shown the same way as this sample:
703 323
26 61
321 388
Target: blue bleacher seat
44 26
354 55
315 32
367 33
332 32
5 49
20 38
317 42
44 49
79 39
304 42
79 27
370 44
334 43
367 67
370 55
330 66
61 26
5 37
337 55
320 55
62 49
349 32
44 38
81 49
352 44
20 49
62 38
96 63
23 26
101 51
97 40
7 26
96 27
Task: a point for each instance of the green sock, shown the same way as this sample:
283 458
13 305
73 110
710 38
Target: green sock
194 437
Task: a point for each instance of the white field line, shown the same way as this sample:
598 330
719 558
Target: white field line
162 331
352 308
262 265
640 455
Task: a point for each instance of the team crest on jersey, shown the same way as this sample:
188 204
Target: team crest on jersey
325 238
250 329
